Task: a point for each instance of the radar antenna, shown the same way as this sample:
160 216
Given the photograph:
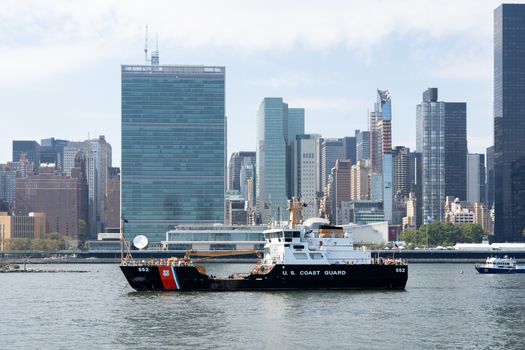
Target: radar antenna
146 46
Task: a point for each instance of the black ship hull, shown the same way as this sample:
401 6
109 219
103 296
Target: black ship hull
281 277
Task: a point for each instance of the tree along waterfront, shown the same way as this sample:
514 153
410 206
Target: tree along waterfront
443 234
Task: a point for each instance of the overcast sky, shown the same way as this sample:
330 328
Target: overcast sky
61 62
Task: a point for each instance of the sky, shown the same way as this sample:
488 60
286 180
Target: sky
61 59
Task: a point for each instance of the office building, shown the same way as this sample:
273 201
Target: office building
489 176
349 148
441 140
277 128
304 172
509 119
234 168
62 198
362 145
342 188
31 226
29 149
7 187
173 148
475 178
330 150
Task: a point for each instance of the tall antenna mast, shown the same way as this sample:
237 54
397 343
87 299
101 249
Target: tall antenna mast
146 46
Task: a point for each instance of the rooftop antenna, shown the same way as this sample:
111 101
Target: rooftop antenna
146 46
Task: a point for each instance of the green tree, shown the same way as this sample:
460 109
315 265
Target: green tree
83 234
55 241
19 244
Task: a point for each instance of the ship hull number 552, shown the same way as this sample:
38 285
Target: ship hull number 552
400 269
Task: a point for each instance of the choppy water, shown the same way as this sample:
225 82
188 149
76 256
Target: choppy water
440 309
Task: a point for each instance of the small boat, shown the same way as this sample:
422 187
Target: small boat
494 264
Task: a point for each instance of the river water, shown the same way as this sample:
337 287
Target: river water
444 306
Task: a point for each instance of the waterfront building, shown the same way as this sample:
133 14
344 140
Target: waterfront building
173 147
62 198
460 212
362 145
278 126
304 178
509 121
234 168
441 139
31 226
489 188
383 109
7 187
30 148
475 178
517 180
216 237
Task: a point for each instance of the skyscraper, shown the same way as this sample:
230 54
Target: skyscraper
441 139
362 145
234 168
329 152
489 189
349 148
383 111
173 147
304 172
98 155
509 120
276 127
475 178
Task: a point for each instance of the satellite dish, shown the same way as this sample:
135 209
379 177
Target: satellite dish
140 242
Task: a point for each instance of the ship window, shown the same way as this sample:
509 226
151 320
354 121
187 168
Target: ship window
288 234
286 245
297 234
298 247
300 256
287 239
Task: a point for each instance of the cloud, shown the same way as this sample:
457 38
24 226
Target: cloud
239 25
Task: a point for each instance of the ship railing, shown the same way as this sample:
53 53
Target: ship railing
388 261
157 262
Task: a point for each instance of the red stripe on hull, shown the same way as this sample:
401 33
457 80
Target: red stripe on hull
167 278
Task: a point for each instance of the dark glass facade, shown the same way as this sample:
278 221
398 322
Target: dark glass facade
173 148
31 148
456 150
509 114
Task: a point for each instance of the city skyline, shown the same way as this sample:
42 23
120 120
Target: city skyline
332 72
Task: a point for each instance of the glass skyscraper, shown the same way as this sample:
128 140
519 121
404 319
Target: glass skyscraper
441 138
277 126
173 147
509 115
